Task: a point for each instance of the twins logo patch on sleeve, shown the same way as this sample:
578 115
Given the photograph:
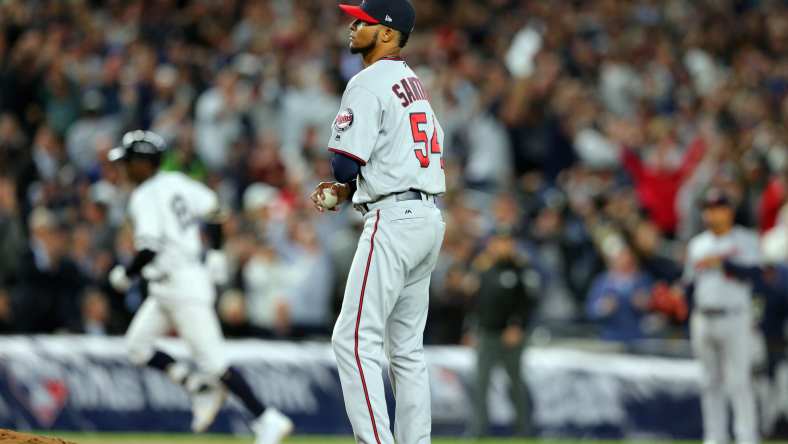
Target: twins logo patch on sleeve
344 120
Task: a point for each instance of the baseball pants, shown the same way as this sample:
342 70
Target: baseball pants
384 311
195 321
722 343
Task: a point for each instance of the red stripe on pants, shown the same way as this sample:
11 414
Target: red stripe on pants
358 322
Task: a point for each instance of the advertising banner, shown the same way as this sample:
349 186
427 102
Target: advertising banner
87 383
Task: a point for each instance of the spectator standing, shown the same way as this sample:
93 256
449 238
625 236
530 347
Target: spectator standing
7 324
83 136
218 119
266 279
12 241
308 299
96 320
647 244
659 171
619 298
774 197
46 300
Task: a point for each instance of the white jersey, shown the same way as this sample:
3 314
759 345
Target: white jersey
386 123
712 288
166 211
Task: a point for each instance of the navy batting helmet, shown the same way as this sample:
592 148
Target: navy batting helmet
140 144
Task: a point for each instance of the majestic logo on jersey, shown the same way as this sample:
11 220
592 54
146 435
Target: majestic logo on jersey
344 119
388 18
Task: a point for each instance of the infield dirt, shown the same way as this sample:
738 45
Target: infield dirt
11 437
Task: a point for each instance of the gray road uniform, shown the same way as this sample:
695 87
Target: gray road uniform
387 124
721 333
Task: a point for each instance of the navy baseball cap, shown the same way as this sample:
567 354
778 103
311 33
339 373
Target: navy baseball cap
716 197
396 14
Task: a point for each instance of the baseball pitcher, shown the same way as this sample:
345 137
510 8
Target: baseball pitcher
387 146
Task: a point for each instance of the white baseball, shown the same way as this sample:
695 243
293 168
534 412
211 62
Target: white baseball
328 198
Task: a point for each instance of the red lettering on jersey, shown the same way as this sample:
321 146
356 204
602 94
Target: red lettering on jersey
435 147
431 145
408 91
420 136
397 90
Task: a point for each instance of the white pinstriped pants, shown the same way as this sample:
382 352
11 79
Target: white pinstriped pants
185 304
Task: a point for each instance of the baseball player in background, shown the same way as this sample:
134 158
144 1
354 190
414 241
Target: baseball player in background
721 321
387 158
167 210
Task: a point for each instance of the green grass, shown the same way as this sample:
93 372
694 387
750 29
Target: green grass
120 438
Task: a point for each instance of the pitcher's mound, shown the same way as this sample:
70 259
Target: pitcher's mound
11 437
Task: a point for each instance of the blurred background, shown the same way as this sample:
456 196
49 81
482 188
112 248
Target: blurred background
579 134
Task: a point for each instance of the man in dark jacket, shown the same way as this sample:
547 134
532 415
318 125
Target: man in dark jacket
12 240
47 297
502 309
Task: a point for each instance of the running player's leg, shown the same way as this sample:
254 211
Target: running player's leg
198 325
737 370
150 323
374 281
713 404
194 323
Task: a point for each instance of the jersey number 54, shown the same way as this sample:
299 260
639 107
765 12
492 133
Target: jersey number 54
431 145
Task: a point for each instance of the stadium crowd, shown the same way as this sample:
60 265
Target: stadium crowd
583 131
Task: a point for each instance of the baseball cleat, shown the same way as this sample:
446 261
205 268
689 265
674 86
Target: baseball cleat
206 404
272 427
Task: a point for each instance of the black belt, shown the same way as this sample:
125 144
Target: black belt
410 194
714 312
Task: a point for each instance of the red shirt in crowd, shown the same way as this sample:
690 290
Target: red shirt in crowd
657 187
772 200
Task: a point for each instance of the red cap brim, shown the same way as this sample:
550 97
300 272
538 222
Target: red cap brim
357 12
